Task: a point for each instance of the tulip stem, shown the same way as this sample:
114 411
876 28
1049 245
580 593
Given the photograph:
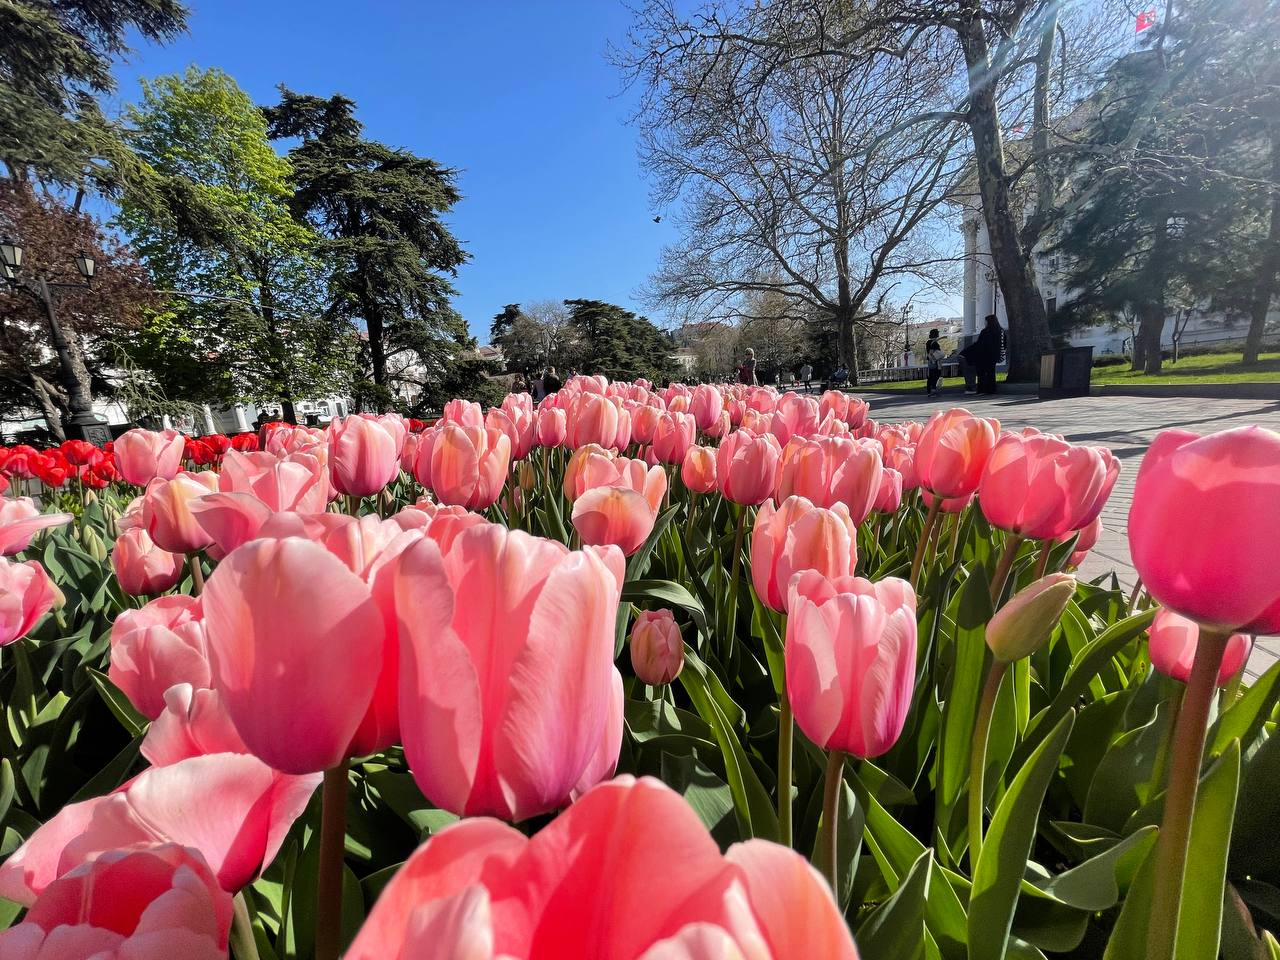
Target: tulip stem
786 739
333 830
1180 798
1133 597
197 573
1004 565
736 570
243 944
1042 561
831 814
978 760
1161 763
930 520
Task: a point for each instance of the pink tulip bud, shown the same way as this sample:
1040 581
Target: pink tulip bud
747 467
851 660
698 472
1026 622
675 433
1173 648
706 404
889 497
166 511
142 568
26 595
145 455
798 536
21 520
613 515
657 649
1204 524
364 453
466 466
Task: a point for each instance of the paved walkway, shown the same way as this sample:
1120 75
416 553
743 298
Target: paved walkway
1126 425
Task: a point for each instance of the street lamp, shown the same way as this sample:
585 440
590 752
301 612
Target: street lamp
11 255
86 265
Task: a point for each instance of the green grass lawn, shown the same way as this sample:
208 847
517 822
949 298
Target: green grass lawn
1205 368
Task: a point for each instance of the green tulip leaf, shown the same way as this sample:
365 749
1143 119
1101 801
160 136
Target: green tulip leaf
1200 916
133 722
666 592
1244 719
895 929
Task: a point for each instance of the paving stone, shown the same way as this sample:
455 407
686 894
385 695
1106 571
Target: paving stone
1126 425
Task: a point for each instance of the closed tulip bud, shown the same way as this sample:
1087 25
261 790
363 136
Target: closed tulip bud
527 476
26 595
1025 623
93 544
657 649
952 452
1172 644
675 433
706 404
747 467
1204 526
698 472
364 453
142 568
166 511
798 536
889 497
145 455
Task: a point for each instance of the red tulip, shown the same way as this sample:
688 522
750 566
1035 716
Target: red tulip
698 472
296 651
231 807
747 467
21 520
156 647
851 660
142 568
166 511
80 453
615 515
144 455
51 469
509 700
193 724
1204 522
1042 487
952 452
26 595
15 461
657 649
831 470
799 536
140 903
583 888
466 466
364 453
1173 647
244 442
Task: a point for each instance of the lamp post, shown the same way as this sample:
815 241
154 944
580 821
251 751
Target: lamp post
83 424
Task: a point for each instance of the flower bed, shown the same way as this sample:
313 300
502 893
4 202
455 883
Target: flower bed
636 673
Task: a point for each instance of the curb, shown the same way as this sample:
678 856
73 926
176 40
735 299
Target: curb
1234 391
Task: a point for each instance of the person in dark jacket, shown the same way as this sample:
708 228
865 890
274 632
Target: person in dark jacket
984 353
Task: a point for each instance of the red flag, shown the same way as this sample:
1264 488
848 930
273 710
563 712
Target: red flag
1146 20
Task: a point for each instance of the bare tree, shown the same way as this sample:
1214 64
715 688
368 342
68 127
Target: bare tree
795 176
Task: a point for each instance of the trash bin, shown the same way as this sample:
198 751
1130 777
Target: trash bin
1066 372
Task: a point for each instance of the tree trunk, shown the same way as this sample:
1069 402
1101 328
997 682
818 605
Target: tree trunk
1028 323
48 406
1151 314
71 365
1265 286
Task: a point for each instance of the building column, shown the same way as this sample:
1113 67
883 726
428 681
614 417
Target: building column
207 415
986 288
970 277
242 422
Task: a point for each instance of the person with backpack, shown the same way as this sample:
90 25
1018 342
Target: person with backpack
933 357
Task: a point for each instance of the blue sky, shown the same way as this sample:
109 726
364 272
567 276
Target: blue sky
517 95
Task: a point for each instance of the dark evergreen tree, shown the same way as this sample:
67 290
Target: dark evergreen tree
613 341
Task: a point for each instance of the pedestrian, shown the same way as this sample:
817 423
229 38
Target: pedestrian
841 376
550 382
983 354
518 385
747 372
933 357
806 375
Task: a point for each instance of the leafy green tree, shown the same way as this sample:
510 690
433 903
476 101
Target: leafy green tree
616 342
379 211
55 60
252 322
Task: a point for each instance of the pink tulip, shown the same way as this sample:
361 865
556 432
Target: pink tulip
794 416
364 454
296 481
142 568
615 515
26 595
142 903
519 410
657 649
831 470
948 504
1087 540
509 700
296 651
230 519
1204 524
594 418
953 450
466 466
903 459
889 497
674 435
192 724
706 404
644 423
583 888
698 472
1173 640
851 660
156 647
552 426
589 466
21 520
284 439
799 536
409 452
231 807
1042 487
441 523
747 467
465 413
144 455
166 511
520 434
